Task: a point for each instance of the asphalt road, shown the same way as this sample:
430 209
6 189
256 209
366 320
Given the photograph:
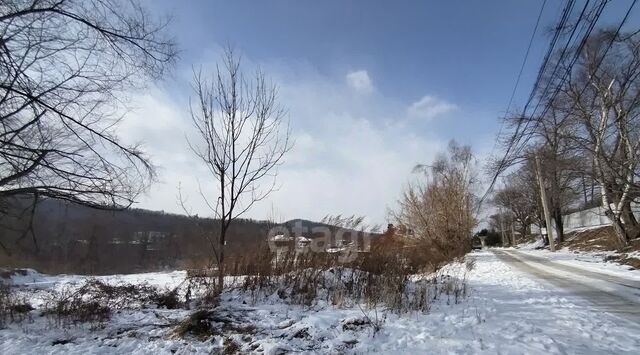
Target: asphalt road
604 292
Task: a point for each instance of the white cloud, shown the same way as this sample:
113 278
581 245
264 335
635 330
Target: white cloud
360 170
360 81
429 107
347 158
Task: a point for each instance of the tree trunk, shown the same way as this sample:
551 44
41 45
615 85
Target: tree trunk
557 217
622 238
584 190
223 233
630 222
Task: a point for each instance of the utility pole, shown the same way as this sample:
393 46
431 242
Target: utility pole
545 207
504 240
513 233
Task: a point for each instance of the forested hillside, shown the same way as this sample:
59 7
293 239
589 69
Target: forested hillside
66 237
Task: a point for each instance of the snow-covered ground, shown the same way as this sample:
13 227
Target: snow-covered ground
598 261
506 312
594 261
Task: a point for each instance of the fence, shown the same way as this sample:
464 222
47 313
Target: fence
592 217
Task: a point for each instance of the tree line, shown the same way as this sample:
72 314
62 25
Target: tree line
587 140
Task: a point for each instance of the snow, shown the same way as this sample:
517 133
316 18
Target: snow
507 312
592 261
537 243
302 239
281 238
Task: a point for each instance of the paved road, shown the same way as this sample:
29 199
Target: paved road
604 292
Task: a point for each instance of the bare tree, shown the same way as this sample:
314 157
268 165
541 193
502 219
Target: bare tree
589 129
520 197
65 66
243 138
547 136
603 100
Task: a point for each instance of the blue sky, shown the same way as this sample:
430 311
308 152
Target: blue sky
372 88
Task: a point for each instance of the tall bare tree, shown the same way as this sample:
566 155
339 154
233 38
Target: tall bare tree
243 138
65 67
603 99
520 197
589 131
547 136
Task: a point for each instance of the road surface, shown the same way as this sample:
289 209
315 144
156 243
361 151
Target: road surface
604 292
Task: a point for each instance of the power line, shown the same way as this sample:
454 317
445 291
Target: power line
561 24
557 64
604 54
549 102
566 47
524 62
597 12
558 29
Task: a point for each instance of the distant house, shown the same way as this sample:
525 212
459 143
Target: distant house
149 237
281 239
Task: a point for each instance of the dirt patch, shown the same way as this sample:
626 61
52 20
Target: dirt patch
596 239
602 240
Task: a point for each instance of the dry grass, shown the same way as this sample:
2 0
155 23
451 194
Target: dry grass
382 277
202 324
95 301
600 240
12 307
596 239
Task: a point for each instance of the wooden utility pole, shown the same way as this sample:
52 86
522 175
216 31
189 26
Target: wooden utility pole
504 240
545 207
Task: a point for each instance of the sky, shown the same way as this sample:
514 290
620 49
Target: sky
371 88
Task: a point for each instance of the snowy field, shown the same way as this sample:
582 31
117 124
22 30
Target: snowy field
506 312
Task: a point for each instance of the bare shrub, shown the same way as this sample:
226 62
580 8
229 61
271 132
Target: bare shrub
205 323
12 307
198 324
202 287
94 301
375 322
168 299
438 213
387 276
69 307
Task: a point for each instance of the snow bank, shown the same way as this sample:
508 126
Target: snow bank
507 312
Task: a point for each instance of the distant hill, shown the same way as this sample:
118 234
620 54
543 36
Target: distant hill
73 238
68 237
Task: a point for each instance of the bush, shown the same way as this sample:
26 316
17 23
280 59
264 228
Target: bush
168 299
12 307
94 301
198 325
